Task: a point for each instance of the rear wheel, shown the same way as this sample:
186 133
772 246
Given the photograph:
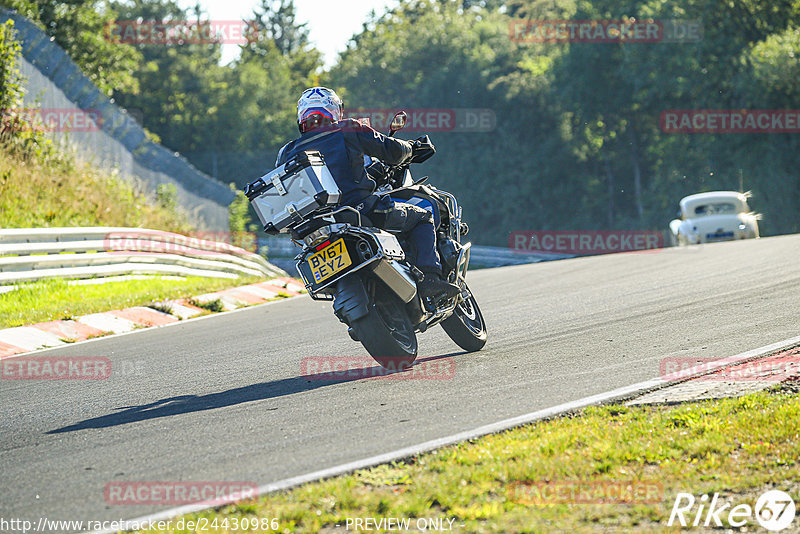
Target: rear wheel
387 333
466 326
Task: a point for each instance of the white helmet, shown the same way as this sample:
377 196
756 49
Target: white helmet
318 101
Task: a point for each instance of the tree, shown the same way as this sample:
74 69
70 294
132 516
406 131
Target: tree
184 81
79 27
275 27
577 142
275 21
437 55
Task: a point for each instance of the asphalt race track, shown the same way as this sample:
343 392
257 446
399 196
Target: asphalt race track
224 398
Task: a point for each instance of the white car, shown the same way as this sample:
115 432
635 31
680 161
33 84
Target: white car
714 216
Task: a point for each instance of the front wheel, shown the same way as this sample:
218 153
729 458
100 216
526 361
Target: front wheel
387 333
466 326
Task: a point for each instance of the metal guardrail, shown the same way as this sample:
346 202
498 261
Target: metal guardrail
281 247
500 256
28 254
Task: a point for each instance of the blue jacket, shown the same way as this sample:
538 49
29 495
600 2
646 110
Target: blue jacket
343 146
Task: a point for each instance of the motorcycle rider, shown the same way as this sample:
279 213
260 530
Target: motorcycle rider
343 144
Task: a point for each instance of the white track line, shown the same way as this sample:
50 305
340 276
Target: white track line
413 450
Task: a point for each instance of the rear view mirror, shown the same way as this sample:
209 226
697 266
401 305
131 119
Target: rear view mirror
398 122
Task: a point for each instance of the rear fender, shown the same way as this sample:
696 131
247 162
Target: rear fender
350 301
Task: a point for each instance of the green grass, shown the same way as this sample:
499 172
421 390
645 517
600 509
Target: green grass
49 300
213 306
58 190
738 447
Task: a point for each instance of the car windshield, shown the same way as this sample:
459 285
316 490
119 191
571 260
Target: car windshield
715 208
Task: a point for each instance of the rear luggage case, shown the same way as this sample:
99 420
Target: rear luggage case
286 195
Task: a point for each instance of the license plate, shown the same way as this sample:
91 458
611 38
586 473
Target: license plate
329 261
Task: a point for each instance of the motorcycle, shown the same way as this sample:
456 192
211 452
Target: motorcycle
364 270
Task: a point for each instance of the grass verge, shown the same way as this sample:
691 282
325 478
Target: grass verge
48 300
738 447
37 192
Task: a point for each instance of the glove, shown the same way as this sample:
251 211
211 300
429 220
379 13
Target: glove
421 144
379 172
422 149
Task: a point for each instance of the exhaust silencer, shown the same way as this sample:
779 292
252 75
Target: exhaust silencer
397 278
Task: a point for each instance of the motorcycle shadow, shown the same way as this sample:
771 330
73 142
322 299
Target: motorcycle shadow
183 404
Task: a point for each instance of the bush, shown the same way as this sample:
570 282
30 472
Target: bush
167 196
240 223
239 219
10 80
18 132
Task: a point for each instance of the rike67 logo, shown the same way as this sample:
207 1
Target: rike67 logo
774 510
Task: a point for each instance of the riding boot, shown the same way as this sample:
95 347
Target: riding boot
433 286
